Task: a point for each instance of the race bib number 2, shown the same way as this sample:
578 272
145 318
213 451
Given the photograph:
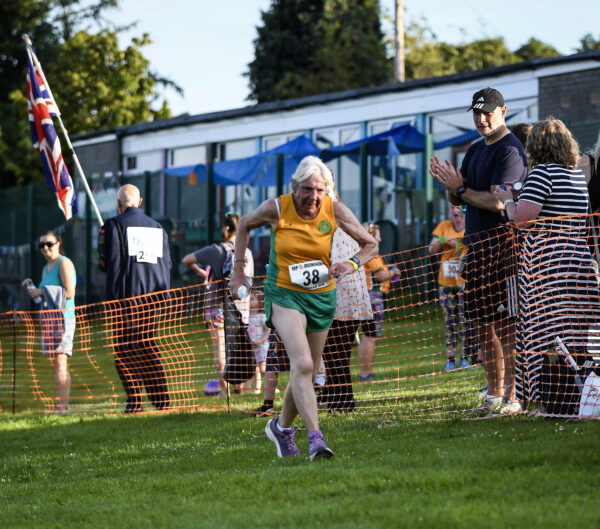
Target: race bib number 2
145 244
310 274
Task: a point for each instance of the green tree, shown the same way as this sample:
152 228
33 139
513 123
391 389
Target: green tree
308 47
483 53
96 84
535 49
426 56
353 52
286 41
588 43
103 86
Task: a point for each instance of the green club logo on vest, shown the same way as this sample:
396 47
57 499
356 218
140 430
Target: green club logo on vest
324 226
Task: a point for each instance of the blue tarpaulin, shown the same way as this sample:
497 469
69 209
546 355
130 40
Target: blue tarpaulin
461 139
261 169
258 170
464 137
402 139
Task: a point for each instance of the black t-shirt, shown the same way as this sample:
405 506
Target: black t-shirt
487 165
594 184
213 256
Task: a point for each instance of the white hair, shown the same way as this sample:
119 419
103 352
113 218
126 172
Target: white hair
312 166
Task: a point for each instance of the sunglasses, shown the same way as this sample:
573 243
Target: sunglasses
46 244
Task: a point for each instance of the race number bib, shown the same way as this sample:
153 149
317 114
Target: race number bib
145 244
309 275
450 268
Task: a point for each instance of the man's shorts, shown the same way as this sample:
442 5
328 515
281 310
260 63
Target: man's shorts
318 307
277 358
490 274
373 328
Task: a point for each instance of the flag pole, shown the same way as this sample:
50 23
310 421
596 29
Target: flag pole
66 134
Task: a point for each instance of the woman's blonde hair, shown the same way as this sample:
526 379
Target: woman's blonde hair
313 166
550 141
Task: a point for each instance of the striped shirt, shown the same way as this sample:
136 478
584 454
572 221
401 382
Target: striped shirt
559 190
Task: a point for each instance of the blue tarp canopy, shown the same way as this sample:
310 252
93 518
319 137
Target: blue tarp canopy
464 137
402 139
258 170
261 169
461 139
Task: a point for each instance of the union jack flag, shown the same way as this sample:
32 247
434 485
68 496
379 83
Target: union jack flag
42 109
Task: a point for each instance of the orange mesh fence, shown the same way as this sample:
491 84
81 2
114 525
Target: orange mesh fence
422 351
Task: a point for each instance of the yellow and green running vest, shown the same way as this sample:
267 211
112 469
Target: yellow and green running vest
295 240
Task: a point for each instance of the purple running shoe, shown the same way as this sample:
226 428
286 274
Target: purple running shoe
317 447
284 441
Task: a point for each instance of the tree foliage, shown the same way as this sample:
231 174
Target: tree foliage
97 85
286 41
353 52
306 47
426 56
588 43
535 49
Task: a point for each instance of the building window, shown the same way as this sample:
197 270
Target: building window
131 162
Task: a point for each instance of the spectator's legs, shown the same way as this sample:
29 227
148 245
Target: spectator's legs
366 351
507 333
150 363
493 360
449 302
271 378
126 336
218 340
62 379
336 354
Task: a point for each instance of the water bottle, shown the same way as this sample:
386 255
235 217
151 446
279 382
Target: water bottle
243 290
31 286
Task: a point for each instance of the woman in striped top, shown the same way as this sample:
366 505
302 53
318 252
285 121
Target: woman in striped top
558 287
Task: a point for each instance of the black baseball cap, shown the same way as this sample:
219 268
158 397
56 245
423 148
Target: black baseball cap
487 99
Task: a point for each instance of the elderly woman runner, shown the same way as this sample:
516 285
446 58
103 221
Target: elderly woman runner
300 293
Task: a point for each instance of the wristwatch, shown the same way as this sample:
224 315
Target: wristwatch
460 190
356 262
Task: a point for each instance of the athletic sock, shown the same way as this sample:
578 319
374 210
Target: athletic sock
280 428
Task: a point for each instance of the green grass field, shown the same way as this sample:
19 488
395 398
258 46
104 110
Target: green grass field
409 360
405 459
218 470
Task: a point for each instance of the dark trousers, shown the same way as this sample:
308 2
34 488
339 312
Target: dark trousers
337 392
137 356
